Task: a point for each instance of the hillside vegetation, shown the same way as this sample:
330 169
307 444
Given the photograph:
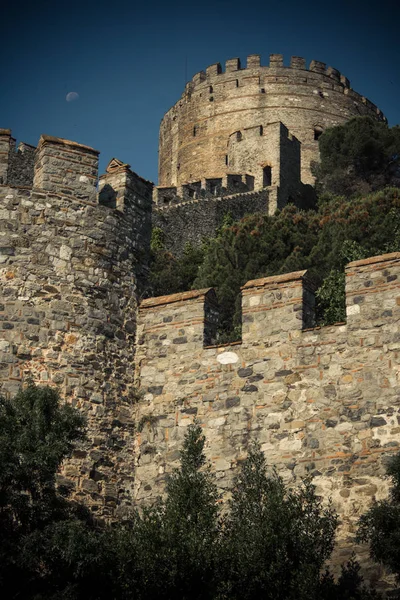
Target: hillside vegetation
271 542
357 215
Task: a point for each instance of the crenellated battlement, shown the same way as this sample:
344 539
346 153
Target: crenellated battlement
68 169
217 187
276 61
16 163
321 401
281 305
306 98
276 72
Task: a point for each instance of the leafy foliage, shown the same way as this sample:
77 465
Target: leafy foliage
358 161
169 274
272 543
358 157
276 540
177 538
330 295
380 526
322 242
36 434
349 586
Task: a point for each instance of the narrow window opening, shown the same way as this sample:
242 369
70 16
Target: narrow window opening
211 99
318 131
226 160
211 89
237 82
194 131
261 130
267 176
262 90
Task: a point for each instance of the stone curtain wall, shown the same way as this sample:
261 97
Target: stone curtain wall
5 142
192 221
21 166
68 290
321 401
126 191
194 133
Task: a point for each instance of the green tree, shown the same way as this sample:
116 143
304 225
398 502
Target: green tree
276 540
349 586
36 434
331 295
380 526
257 246
173 544
170 274
359 156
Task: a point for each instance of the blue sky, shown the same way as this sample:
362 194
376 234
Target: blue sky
127 61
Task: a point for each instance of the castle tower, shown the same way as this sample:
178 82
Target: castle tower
195 133
69 269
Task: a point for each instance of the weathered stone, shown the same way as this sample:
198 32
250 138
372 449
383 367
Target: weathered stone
179 340
155 389
234 401
378 422
245 372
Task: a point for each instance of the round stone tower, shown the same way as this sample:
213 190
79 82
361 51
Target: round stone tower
201 135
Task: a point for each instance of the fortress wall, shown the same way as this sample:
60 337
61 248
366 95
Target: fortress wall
16 165
6 145
66 167
257 147
270 146
290 169
22 165
131 194
193 220
321 401
194 133
68 289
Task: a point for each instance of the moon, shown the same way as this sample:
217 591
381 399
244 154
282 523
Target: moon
71 96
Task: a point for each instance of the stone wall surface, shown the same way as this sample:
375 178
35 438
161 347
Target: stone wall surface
69 281
271 146
21 166
67 302
193 220
321 401
66 167
194 133
16 165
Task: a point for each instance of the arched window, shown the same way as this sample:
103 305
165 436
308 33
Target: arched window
267 176
318 131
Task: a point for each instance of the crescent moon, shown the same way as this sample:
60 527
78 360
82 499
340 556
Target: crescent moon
71 96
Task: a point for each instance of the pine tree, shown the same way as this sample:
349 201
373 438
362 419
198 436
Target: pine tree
276 540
